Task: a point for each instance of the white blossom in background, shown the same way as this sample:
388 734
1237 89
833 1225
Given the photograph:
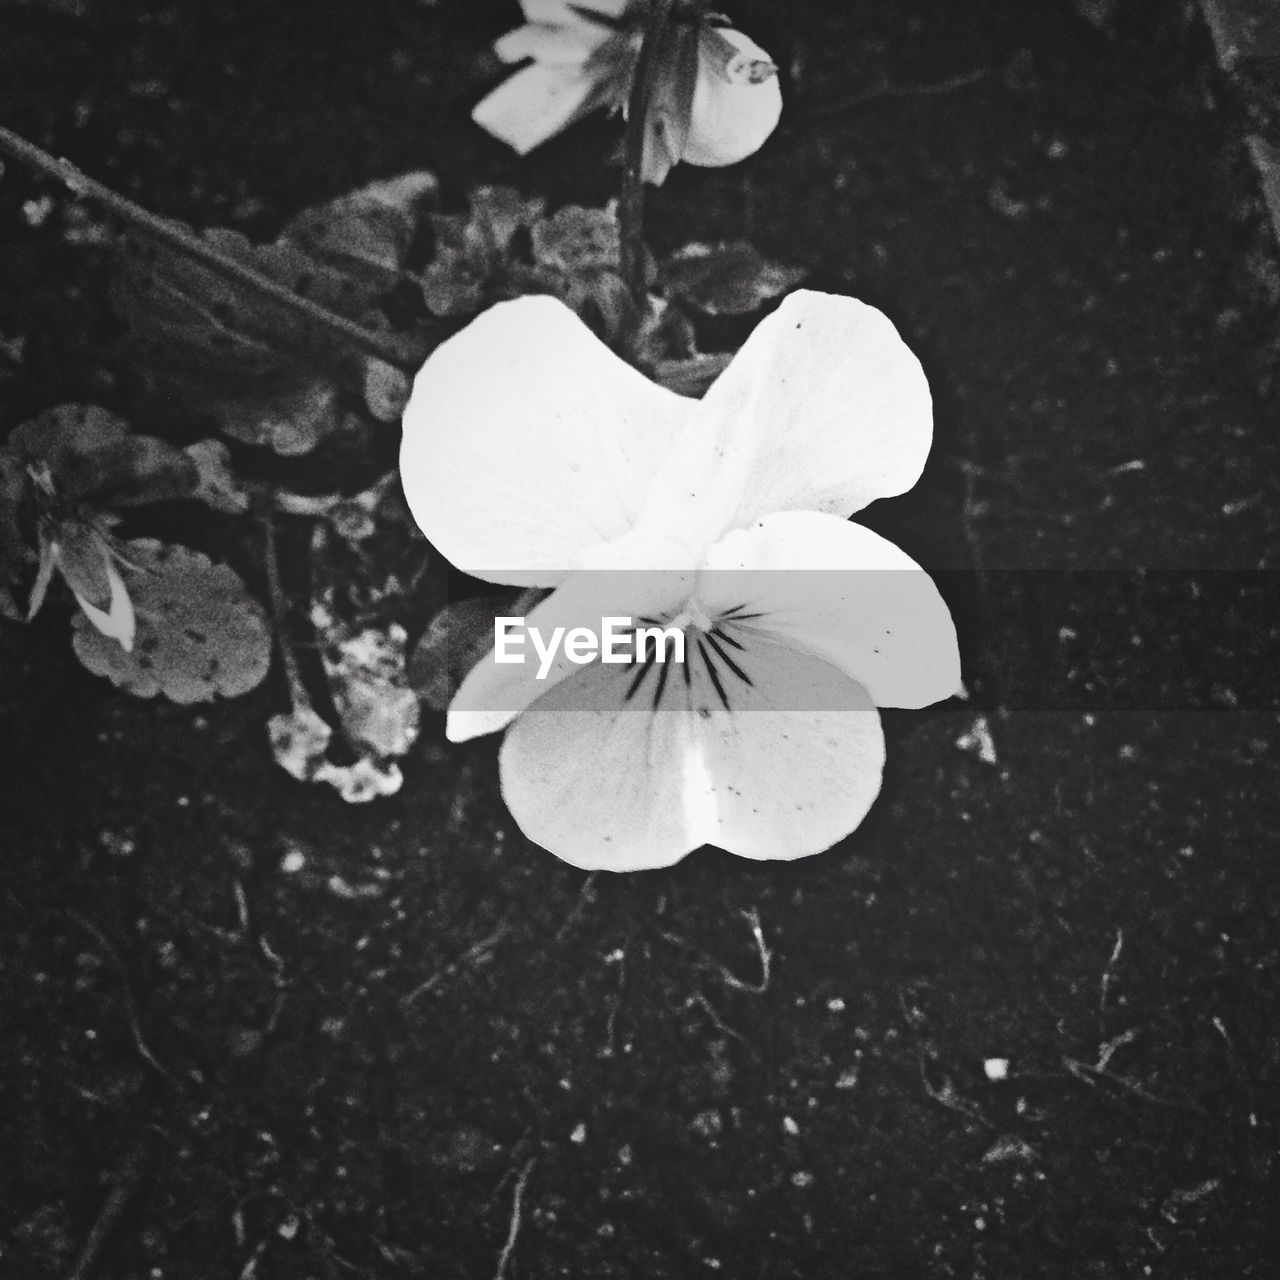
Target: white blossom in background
581 56
533 456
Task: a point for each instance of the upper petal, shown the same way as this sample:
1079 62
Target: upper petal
845 594
553 46
824 409
564 11
526 441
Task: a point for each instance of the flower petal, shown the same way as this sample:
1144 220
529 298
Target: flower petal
737 102
551 46
845 594
824 408
537 103
564 12
526 441
608 782
495 692
796 763
118 620
598 782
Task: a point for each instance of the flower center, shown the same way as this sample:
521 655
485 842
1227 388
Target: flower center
712 647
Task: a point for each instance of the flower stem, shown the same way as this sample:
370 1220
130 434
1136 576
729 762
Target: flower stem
631 210
192 246
298 698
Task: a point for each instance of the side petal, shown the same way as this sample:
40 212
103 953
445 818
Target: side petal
823 409
526 440
842 593
537 103
495 691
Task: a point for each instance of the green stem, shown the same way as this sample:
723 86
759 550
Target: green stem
192 246
631 208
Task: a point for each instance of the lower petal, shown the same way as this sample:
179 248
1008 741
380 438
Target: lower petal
792 765
597 780
779 767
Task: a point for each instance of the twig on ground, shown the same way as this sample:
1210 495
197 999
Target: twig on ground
949 1098
887 93
970 509
1107 1051
1093 1075
716 1021
730 979
1108 973
250 1268
585 895
131 1005
192 246
513 1230
126 1178
752 916
611 1023
472 953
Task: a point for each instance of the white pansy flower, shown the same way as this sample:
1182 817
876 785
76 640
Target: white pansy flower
582 55
534 456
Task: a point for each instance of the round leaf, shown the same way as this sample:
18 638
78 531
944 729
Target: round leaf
199 631
728 279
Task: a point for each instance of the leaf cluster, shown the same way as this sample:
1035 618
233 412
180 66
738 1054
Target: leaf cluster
272 354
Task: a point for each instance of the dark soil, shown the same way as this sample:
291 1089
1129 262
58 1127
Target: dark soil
355 1067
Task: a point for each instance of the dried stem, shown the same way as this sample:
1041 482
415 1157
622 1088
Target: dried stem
130 1004
631 208
513 1229
279 614
126 1178
192 246
481 948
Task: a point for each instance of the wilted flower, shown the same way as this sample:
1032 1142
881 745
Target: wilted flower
533 456
67 470
715 96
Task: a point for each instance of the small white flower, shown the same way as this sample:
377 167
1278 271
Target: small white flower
533 456
84 557
582 55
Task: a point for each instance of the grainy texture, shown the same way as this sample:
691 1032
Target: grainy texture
1073 244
